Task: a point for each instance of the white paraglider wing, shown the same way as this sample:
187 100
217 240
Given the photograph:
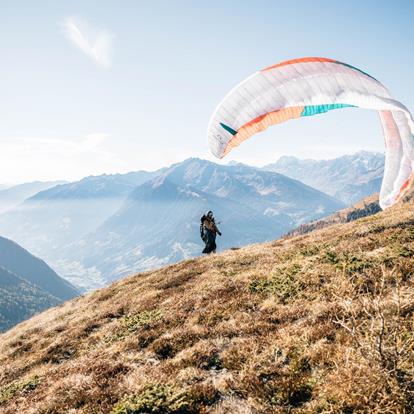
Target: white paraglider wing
310 86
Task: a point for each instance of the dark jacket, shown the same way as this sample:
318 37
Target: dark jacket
208 232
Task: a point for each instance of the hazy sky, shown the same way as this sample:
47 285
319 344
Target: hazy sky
88 87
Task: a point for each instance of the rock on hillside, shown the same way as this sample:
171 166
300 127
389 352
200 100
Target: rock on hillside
316 323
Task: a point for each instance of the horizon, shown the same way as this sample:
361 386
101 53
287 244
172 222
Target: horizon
93 88
214 161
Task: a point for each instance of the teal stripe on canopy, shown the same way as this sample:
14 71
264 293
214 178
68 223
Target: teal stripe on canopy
319 109
228 129
353 67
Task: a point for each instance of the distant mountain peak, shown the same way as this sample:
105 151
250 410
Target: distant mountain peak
159 181
349 177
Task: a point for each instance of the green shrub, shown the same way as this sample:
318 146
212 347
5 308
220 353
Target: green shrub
10 391
134 322
131 323
285 283
167 399
354 264
294 388
402 251
350 263
309 250
330 257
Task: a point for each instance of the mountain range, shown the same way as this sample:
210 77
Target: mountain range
60 215
104 227
27 285
101 228
348 178
12 196
159 221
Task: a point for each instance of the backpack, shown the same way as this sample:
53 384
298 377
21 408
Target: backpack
203 233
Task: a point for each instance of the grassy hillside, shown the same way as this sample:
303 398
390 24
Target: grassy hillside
316 323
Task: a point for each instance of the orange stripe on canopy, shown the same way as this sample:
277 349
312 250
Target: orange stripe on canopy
261 123
390 130
301 60
405 187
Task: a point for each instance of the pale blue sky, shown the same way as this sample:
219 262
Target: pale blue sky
143 99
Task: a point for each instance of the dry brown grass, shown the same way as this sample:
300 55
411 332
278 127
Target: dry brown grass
318 323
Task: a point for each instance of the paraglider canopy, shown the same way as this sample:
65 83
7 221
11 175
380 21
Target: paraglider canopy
310 86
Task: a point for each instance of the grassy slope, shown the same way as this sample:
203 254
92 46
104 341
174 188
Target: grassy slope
317 323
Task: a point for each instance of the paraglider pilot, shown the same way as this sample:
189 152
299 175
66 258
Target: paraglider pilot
208 232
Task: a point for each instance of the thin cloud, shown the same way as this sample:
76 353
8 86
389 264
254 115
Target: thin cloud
30 158
97 44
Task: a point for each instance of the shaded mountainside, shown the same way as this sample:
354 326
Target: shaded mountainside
27 285
366 207
23 264
348 178
19 299
316 323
